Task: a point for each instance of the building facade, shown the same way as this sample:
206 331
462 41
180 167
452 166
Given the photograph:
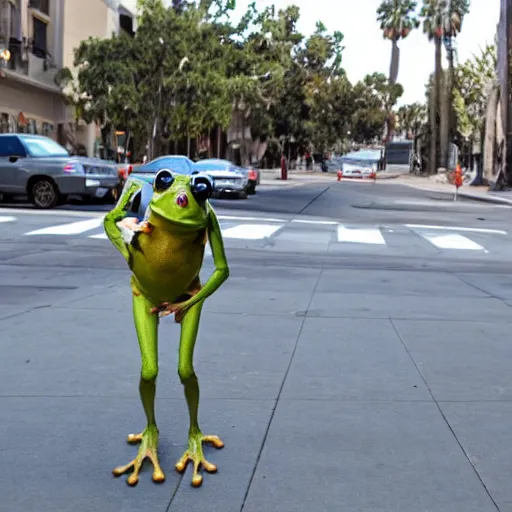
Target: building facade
38 37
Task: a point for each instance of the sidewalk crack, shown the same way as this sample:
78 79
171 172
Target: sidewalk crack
272 414
466 455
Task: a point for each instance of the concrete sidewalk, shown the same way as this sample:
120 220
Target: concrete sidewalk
467 191
333 389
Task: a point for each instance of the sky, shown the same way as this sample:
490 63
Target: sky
365 49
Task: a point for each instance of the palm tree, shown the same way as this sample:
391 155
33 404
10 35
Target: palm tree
397 18
455 12
441 19
411 119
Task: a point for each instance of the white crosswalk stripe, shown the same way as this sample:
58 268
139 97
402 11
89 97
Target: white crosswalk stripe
72 228
355 237
452 241
250 231
361 236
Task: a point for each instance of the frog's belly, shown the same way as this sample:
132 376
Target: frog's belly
166 269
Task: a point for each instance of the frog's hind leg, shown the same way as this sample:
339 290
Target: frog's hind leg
194 453
146 326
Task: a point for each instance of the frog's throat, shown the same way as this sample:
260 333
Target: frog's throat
158 220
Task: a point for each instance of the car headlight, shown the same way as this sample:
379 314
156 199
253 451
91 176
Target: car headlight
74 168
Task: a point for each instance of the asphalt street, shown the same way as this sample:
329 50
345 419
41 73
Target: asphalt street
356 359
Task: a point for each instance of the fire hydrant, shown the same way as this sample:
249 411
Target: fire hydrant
284 170
340 175
457 180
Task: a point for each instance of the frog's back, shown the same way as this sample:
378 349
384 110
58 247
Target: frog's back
166 263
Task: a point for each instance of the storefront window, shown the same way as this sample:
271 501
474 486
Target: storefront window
8 123
32 127
48 129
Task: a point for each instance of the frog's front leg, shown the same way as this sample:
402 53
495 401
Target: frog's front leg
146 326
114 220
194 453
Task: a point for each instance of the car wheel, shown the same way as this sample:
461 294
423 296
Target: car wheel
251 189
44 194
242 195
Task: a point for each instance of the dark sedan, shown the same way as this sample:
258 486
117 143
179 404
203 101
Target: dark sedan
224 171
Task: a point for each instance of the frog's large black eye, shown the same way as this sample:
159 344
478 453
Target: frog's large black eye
163 180
201 186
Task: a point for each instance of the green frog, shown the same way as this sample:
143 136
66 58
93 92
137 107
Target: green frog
164 251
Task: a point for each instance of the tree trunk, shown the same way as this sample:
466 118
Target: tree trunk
444 115
490 134
126 145
218 141
434 102
188 145
395 60
452 119
242 142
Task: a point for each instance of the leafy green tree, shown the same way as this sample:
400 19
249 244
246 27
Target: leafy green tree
374 99
412 119
102 89
475 101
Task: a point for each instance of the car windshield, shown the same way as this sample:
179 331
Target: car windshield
179 165
41 147
214 166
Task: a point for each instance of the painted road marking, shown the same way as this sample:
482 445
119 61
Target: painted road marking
250 231
320 222
452 241
73 228
454 228
360 236
259 219
102 236
7 219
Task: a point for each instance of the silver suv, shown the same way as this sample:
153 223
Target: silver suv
37 166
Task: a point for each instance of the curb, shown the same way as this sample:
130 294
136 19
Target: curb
467 195
389 176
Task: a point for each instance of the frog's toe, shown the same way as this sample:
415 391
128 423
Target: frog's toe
148 449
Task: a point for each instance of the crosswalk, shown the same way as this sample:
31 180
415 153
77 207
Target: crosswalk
274 231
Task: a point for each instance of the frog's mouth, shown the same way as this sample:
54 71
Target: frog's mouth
158 218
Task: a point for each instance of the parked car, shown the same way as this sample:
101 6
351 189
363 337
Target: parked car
179 164
227 175
37 166
360 164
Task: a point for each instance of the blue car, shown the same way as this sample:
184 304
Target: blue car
177 163
146 172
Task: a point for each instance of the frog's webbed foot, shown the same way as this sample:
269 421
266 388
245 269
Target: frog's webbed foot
195 454
148 448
